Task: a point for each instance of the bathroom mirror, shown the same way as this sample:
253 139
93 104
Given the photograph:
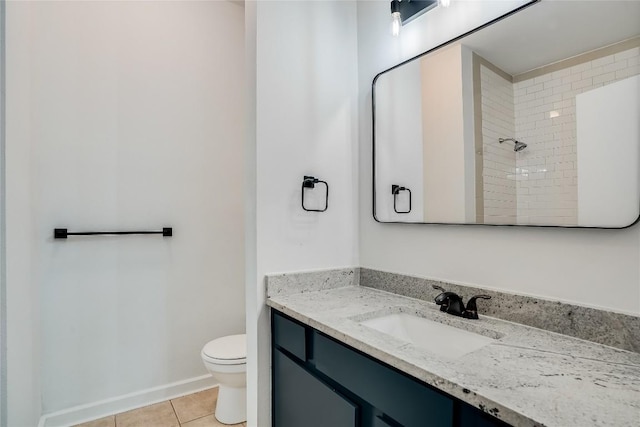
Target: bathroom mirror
531 120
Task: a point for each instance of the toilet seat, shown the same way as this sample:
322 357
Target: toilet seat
229 350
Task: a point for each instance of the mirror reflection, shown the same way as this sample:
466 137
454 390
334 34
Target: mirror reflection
530 121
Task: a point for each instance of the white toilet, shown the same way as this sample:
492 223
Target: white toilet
226 360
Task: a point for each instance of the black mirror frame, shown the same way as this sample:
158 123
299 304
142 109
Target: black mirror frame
373 134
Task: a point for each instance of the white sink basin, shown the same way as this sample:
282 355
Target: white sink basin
438 338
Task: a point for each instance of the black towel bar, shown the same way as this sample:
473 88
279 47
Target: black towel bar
62 233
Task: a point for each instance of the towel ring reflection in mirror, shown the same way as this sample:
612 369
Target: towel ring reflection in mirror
395 190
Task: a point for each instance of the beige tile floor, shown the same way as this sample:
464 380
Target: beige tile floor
193 410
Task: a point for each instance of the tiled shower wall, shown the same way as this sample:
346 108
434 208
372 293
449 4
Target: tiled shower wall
545 173
545 117
498 161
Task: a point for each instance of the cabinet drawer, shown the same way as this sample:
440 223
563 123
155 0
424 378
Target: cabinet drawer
302 400
401 398
289 335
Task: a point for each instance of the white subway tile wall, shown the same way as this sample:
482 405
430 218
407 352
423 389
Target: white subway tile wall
545 118
498 161
543 177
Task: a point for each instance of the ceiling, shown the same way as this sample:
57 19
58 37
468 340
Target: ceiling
550 31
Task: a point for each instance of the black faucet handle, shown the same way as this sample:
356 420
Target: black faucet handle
445 297
472 309
438 288
442 298
450 302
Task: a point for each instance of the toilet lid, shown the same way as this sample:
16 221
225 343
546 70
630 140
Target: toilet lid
231 348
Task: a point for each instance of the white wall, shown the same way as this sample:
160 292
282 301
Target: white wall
399 143
23 325
306 124
3 265
122 115
420 117
3 289
591 267
608 140
254 297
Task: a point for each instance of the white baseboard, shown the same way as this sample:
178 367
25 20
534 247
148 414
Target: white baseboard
115 405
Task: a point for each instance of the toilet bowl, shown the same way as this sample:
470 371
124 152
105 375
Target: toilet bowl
226 360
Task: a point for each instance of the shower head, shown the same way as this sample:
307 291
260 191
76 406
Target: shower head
519 146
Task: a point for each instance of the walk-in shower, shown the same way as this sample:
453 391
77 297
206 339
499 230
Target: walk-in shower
519 146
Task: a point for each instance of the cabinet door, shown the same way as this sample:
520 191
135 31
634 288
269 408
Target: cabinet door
408 402
468 416
302 400
379 422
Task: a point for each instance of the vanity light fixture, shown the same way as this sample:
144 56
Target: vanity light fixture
404 11
395 17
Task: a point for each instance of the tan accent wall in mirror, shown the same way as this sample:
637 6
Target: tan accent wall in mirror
443 138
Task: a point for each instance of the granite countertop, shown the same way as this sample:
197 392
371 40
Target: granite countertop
526 377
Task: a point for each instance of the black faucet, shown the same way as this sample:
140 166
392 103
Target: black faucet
472 310
451 303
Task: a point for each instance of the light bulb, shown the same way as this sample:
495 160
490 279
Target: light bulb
444 3
395 23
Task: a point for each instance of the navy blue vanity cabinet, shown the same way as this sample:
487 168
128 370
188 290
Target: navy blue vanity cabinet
401 398
380 422
321 382
301 399
468 416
